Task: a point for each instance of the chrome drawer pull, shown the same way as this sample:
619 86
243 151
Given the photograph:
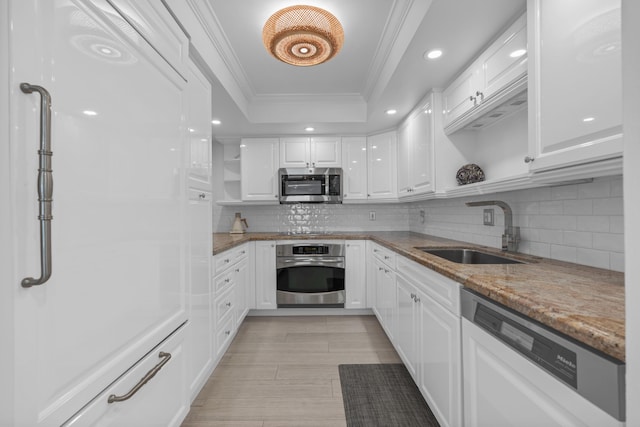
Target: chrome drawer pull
45 185
143 381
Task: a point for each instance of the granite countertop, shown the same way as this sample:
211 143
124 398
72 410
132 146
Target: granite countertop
582 302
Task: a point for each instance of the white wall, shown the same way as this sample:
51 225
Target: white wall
580 223
631 124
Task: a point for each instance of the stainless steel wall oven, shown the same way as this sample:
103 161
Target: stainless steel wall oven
310 275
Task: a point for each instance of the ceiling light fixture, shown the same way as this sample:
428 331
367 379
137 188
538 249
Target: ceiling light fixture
215 122
433 54
303 35
390 112
309 129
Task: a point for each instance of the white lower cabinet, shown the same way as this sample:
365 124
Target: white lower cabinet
384 278
428 337
355 274
162 401
502 388
265 257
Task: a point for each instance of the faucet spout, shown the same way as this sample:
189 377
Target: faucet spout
511 236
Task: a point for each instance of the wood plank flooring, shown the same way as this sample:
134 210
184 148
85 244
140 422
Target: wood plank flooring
283 372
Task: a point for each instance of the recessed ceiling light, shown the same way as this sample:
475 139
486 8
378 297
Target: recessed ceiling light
89 113
215 122
391 111
309 129
433 54
588 119
518 53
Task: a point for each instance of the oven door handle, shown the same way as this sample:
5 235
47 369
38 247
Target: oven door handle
332 262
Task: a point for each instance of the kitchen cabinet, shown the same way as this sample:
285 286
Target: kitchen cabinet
428 337
199 333
575 107
416 152
230 286
384 265
354 169
498 74
265 275
316 152
118 283
382 166
355 274
199 127
259 170
499 390
407 338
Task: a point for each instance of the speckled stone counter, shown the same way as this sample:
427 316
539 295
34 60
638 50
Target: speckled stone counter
582 302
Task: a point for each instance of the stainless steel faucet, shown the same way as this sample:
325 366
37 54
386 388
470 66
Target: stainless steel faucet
511 236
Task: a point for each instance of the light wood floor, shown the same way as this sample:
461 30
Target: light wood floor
283 372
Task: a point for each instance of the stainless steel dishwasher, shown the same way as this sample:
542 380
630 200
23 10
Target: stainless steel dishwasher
518 372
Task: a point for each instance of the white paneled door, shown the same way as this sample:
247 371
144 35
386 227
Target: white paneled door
116 288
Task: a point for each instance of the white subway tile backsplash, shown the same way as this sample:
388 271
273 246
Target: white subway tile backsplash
608 242
580 223
578 207
608 206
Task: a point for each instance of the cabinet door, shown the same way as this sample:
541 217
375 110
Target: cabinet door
295 153
266 275
354 170
406 337
198 343
505 61
259 169
502 388
459 97
199 128
439 364
421 163
355 274
117 287
382 167
326 152
404 158
241 273
386 297
575 93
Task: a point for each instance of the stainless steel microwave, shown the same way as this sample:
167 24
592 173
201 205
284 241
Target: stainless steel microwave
310 185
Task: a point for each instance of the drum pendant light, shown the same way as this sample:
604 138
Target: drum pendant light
303 35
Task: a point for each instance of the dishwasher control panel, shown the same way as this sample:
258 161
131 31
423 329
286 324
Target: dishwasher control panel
553 357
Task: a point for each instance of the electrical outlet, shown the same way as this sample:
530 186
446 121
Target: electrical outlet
422 216
372 215
487 216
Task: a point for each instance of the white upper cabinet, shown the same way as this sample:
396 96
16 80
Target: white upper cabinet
382 166
575 112
301 152
354 170
415 152
259 170
499 74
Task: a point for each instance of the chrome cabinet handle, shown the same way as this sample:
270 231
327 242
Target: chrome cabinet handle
45 185
165 358
480 94
201 195
228 304
529 159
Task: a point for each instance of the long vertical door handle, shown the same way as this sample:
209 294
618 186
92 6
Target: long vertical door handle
45 185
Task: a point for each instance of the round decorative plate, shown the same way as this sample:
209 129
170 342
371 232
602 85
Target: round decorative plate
468 174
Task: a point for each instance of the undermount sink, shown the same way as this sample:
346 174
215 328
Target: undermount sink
469 256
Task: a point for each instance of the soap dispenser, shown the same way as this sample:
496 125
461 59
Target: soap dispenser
238 222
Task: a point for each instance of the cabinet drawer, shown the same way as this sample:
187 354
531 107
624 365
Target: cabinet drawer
225 304
161 401
442 289
223 281
224 334
387 256
226 259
